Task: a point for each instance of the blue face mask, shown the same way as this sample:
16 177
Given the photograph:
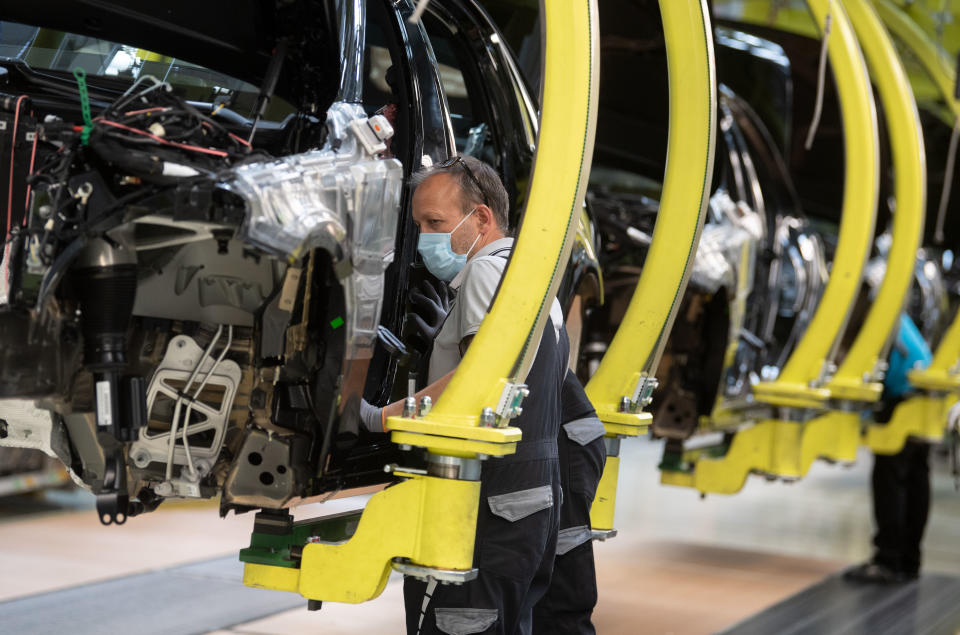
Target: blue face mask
438 254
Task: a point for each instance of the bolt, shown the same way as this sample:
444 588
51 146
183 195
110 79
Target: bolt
487 418
409 407
141 459
625 404
426 403
517 412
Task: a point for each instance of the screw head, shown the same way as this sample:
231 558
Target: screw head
487 418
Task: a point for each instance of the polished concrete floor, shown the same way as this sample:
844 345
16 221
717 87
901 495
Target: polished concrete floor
681 564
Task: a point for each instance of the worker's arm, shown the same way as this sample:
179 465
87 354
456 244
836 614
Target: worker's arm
370 414
433 391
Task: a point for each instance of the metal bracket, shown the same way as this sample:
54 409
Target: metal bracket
603 535
643 393
509 405
446 576
180 359
113 500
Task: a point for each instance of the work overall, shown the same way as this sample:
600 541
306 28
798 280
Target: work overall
901 482
568 603
517 521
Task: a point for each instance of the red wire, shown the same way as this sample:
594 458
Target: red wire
13 147
33 155
216 153
243 141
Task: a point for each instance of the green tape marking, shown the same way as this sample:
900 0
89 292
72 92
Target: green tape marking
81 77
336 322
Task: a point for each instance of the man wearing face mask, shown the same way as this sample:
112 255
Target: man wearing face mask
461 207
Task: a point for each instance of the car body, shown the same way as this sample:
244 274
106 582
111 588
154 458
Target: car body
273 276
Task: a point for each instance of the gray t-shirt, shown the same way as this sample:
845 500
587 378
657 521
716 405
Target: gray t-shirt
475 286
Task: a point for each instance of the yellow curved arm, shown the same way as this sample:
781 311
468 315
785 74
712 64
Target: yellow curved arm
799 382
854 379
635 350
939 19
926 51
942 374
503 348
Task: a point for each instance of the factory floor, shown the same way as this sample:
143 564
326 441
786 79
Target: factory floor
681 564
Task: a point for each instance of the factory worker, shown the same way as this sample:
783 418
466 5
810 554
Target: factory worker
568 604
461 209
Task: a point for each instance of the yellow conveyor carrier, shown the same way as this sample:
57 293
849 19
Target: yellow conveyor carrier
810 382
623 383
925 415
425 524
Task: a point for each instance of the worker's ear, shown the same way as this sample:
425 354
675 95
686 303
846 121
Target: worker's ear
485 219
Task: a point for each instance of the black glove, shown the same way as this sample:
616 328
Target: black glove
429 307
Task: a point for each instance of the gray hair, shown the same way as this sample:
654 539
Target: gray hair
493 194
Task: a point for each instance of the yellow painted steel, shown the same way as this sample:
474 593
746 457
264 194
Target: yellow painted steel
923 417
793 19
939 19
430 521
855 379
800 382
503 348
605 501
636 347
785 449
931 57
635 350
943 373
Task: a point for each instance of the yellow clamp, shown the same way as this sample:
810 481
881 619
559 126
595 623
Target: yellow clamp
799 383
621 386
422 522
784 448
854 379
430 522
774 447
922 417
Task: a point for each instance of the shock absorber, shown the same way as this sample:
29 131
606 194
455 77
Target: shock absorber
106 277
106 274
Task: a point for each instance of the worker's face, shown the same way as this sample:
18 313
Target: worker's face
437 208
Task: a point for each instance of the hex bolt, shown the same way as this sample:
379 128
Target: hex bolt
426 403
409 407
141 459
625 404
487 418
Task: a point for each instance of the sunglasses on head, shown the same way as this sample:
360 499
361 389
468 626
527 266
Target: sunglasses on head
452 161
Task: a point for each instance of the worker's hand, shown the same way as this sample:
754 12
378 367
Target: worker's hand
430 304
371 417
